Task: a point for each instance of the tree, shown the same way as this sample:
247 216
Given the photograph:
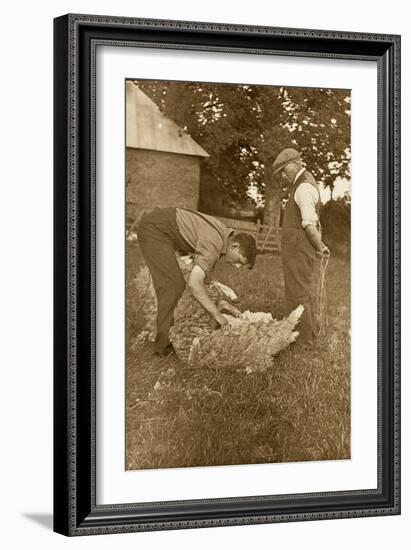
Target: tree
336 225
244 127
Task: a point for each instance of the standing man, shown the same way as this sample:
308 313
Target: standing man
164 232
301 239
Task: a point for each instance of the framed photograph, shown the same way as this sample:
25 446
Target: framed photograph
227 275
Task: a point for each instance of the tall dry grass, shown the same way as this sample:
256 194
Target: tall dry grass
297 410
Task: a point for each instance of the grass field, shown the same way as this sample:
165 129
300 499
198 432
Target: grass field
298 410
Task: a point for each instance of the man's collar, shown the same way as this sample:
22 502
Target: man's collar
298 174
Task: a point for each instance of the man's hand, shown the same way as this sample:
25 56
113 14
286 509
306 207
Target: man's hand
221 320
324 252
198 290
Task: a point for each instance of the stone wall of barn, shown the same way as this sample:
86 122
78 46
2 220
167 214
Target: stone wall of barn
155 178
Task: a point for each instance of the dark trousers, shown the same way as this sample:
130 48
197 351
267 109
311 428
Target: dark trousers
298 270
159 239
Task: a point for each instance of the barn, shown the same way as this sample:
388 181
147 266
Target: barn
162 160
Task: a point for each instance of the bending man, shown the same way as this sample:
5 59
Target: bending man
164 232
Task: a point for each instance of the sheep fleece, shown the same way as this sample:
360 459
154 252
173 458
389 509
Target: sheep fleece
249 341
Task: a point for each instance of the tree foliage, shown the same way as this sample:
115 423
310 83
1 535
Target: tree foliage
336 225
244 127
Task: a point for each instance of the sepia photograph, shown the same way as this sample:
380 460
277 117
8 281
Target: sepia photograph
238 289
227 275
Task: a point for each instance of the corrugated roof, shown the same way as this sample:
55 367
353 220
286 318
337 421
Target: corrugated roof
148 128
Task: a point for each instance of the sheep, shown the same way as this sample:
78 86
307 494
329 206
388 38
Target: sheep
249 341
192 320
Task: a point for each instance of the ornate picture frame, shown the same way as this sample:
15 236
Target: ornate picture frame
76 40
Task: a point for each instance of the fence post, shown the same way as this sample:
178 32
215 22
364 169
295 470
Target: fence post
257 232
271 227
277 230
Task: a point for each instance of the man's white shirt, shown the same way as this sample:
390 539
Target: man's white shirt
306 196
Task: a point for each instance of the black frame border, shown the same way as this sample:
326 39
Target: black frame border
76 38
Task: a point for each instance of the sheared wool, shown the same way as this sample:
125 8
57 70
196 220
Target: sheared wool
249 341
191 320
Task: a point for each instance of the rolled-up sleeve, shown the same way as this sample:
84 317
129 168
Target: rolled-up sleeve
306 197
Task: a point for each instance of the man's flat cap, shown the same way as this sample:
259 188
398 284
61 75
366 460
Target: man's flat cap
286 156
